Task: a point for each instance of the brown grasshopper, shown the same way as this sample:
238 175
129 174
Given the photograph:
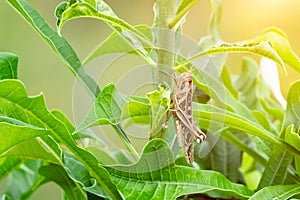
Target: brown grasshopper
186 129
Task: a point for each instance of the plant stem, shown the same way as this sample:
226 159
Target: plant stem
165 40
126 142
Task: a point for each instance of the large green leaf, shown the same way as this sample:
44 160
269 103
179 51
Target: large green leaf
155 176
15 103
57 43
278 192
8 66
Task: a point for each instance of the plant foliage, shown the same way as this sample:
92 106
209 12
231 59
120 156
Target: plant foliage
248 131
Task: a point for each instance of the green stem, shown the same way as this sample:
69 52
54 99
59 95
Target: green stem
165 40
126 142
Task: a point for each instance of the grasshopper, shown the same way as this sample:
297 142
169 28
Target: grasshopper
186 129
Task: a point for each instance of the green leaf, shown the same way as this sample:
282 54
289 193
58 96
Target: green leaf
291 120
292 114
156 175
107 108
36 149
212 116
61 117
58 175
12 135
4 197
111 106
15 103
80 174
160 102
8 66
102 7
226 79
129 33
276 170
7 165
272 109
20 141
271 43
278 192
76 169
184 7
215 18
57 43
15 121
262 119
279 42
22 179
226 159
115 43
293 139
137 109
246 83
260 48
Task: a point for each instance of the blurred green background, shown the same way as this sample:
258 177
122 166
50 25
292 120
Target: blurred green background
42 71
